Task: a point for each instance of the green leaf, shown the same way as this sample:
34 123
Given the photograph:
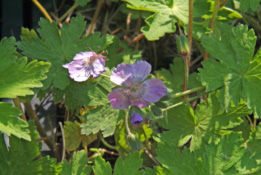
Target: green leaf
174 77
177 163
10 124
72 101
101 167
103 118
236 72
208 123
130 166
119 52
246 5
250 163
21 157
166 14
89 93
17 77
213 159
77 165
59 47
73 136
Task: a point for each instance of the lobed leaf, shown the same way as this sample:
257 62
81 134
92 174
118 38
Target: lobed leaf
103 118
18 76
236 73
101 167
213 159
206 125
77 165
166 14
21 157
10 124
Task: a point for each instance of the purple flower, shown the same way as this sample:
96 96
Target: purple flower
136 119
84 65
135 91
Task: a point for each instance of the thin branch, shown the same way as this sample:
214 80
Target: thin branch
106 143
152 158
42 9
63 153
212 22
29 110
67 13
96 14
18 105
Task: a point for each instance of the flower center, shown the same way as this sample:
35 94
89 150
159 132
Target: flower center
134 93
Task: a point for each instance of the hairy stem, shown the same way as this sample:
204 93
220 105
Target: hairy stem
97 11
190 28
40 129
106 143
181 103
67 13
42 9
106 76
185 80
17 104
127 122
188 91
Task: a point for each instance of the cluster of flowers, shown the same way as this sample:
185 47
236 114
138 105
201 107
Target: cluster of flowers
133 90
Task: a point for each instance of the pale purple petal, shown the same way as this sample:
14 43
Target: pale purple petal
118 99
83 55
83 66
120 75
130 75
136 119
98 67
154 90
66 65
140 103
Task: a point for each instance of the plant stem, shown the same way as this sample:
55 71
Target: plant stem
63 137
127 122
179 94
155 65
190 29
185 80
181 103
106 76
97 11
42 9
187 58
106 143
33 116
67 13
223 3
17 104
212 22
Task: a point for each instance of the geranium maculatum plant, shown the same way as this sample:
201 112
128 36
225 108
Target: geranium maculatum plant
132 107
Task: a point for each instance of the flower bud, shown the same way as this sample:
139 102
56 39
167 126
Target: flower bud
182 44
134 142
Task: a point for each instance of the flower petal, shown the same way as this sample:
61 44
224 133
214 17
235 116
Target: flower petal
136 119
140 103
83 55
130 75
118 100
153 90
98 67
